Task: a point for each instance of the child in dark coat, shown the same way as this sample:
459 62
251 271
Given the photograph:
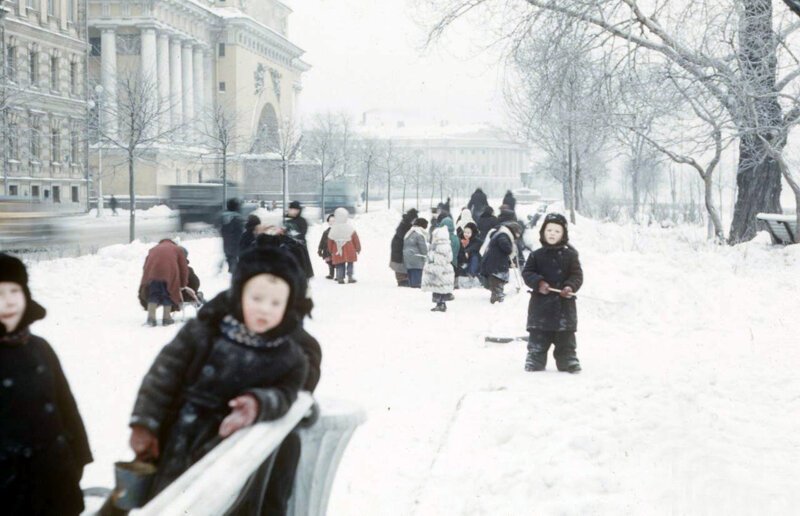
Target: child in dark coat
43 444
323 251
553 316
234 365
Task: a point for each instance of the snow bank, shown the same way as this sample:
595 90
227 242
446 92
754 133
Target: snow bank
686 405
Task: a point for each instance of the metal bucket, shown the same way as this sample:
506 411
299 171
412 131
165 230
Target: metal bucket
133 482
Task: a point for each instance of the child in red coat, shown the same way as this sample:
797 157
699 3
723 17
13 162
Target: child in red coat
343 245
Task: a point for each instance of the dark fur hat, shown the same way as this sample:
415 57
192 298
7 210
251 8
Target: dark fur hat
233 204
421 222
280 263
14 271
554 218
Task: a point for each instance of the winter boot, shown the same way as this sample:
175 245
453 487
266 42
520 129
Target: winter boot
340 281
534 363
351 279
167 319
440 307
151 314
565 354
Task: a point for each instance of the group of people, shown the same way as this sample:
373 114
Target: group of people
463 254
243 359
467 254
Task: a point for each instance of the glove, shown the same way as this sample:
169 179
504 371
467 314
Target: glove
143 443
544 287
244 410
566 292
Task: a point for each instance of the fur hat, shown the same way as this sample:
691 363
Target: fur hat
554 218
514 227
295 205
280 263
421 222
233 204
473 227
13 270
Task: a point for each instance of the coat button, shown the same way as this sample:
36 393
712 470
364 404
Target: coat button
8 382
208 370
40 369
49 408
27 453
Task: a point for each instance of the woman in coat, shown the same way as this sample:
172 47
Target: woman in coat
438 276
166 272
344 245
415 252
396 263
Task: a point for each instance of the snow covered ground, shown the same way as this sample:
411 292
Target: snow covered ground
688 401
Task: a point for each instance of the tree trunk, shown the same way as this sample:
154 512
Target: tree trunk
322 200
132 196
578 183
758 178
713 214
224 180
366 190
403 207
570 176
389 188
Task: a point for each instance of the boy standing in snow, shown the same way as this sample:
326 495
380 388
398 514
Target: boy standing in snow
43 444
553 316
323 251
438 275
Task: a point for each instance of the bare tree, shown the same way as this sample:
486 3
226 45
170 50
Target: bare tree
734 55
369 155
217 131
140 113
324 145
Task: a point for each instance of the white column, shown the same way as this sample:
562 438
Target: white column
199 81
163 81
149 70
108 79
175 82
210 85
188 85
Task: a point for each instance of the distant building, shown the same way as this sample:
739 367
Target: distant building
471 156
198 54
43 102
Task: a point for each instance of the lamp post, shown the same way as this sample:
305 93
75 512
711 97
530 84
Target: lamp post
99 103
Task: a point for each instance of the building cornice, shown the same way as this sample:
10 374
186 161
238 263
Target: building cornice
43 34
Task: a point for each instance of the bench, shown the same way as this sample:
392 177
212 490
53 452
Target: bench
782 228
213 484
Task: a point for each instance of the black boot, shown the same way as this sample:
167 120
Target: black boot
351 279
440 307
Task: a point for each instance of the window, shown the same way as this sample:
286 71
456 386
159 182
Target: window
97 45
33 5
222 50
222 86
11 63
56 194
46 193
35 136
71 10
13 190
35 191
55 145
51 7
33 67
12 141
75 197
73 147
73 77
54 73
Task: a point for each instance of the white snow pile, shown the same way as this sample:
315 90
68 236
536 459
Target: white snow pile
687 404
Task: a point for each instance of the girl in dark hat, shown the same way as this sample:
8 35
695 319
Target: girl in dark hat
232 366
553 316
43 444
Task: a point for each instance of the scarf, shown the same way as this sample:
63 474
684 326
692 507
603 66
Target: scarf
496 232
418 230
17 338
235 331
341 233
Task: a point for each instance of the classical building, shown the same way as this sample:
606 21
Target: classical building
470 156
43 103
196 57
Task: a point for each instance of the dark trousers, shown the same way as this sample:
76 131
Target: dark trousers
342 268
440 298
402 279
233 260
331 269
496 286
565 353
415 278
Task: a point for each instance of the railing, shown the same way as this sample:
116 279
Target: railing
212 485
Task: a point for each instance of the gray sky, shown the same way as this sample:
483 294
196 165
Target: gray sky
365 55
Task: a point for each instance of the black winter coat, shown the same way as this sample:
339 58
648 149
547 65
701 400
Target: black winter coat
498 255
559 266
184 396
322 248
510 201
43 444
477 203
398 239
296 227
313 352
231 231
486 223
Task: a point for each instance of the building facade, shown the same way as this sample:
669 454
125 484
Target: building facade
469 156
43 103
197 57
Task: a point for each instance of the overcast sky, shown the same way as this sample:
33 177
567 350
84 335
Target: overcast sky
366 55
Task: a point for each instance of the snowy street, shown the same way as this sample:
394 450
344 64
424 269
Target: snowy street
687 403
